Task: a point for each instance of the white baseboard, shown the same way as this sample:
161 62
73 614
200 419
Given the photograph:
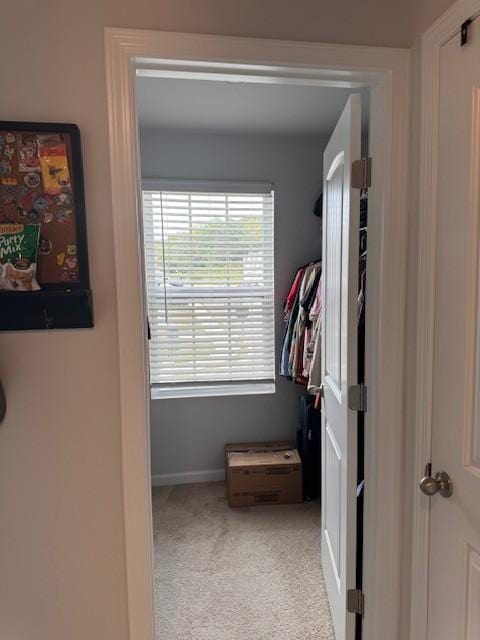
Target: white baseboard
188 477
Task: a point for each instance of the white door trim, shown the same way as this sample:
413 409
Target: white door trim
387 71
432 40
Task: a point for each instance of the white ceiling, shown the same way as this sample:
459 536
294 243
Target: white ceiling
219 106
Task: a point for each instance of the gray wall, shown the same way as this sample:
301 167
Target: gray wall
188 434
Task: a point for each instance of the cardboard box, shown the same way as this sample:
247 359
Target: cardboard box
263 473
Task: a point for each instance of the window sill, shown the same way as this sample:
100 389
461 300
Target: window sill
246 389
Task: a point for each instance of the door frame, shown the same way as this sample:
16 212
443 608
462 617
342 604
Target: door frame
387 72
442 30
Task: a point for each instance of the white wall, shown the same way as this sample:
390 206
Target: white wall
426 11
188 434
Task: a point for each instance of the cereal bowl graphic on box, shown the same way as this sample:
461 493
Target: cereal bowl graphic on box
18 257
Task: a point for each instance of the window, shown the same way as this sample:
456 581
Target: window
209 282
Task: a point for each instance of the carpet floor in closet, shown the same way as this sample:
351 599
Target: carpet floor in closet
236 574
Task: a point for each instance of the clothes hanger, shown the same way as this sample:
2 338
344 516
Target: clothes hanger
309 264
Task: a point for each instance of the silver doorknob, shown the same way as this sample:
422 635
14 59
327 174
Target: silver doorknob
440 483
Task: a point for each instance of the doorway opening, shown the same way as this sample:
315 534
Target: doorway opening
232 191
385 73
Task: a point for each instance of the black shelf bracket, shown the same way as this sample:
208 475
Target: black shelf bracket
54 309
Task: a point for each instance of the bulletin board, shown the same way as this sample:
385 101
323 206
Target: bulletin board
41 183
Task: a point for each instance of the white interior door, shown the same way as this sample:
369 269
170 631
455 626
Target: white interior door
341 214
454 571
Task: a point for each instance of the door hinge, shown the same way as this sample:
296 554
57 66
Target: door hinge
362 174
356 602
357 397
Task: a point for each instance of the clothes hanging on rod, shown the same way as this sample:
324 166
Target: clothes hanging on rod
290 316
300 325
314 349
300 359
309 284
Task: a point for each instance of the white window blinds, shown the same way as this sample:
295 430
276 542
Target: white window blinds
209 280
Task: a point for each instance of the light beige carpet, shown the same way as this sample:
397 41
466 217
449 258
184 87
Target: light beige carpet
236 574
